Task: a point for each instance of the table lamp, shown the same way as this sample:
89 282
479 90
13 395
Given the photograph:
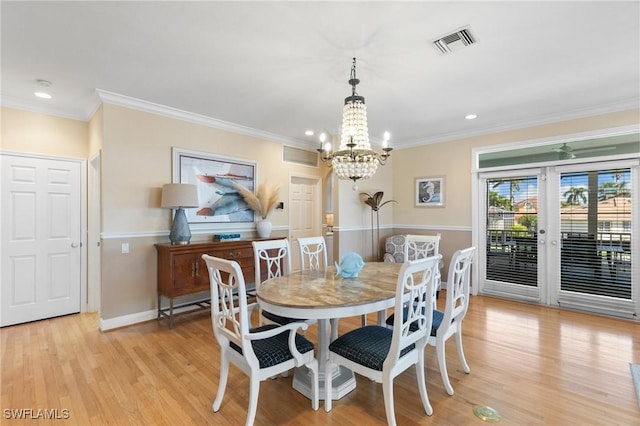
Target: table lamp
179 196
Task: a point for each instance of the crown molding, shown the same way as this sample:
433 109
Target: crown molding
178 114
631 103
15 103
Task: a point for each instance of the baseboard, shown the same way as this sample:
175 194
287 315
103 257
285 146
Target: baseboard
138 317
123 321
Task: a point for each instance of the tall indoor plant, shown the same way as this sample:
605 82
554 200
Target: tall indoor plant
375 202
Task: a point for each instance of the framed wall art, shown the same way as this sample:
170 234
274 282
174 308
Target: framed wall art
430 191
219 201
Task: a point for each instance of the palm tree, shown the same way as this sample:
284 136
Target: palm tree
613 190
607 190
514 186
575 194
622 190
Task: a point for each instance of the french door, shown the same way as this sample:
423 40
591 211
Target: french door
562 235
595 237
513 239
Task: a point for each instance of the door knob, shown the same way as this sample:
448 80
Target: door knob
74 245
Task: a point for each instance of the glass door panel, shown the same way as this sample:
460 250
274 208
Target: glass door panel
511 260
595 232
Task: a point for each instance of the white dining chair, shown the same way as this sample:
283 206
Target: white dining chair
448 322
261 352
273 257
380 353
313 253
313 256
421 246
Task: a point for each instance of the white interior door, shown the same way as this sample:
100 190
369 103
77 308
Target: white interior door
41 236
305 212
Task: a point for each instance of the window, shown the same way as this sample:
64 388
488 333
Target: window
604 226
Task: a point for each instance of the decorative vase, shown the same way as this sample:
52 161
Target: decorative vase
264 228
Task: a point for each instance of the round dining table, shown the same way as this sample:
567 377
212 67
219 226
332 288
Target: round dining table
322 295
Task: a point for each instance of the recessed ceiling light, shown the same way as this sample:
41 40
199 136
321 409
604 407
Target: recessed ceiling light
43 83
309 133
470 116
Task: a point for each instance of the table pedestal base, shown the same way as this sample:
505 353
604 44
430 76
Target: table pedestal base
343 382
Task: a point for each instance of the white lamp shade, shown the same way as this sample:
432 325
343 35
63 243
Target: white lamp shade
176 195
329 218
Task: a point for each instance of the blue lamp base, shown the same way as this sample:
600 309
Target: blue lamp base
180 232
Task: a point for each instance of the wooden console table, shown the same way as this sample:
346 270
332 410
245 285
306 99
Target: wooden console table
182 272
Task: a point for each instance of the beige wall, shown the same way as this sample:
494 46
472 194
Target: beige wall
35 133
453 161
353 218
136 162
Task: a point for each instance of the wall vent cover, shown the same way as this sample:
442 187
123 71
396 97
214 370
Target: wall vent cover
299 156
454 41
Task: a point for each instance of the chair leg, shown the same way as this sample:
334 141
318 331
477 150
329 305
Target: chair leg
222 384
363 320
254 389
463 361
422 386
442 365
327 386
387 392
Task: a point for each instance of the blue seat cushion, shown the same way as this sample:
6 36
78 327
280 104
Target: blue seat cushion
275 350
368 346
437 320
278 319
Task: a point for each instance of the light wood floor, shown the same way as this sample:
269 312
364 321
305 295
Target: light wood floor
533 364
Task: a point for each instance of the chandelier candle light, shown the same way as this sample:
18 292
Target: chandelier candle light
354 159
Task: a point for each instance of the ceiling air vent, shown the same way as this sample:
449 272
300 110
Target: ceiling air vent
454 41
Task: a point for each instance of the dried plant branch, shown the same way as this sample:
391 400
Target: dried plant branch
263 201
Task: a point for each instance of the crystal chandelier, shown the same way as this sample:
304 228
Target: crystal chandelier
354 159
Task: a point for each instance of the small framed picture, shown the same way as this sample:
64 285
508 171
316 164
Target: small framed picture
430 191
